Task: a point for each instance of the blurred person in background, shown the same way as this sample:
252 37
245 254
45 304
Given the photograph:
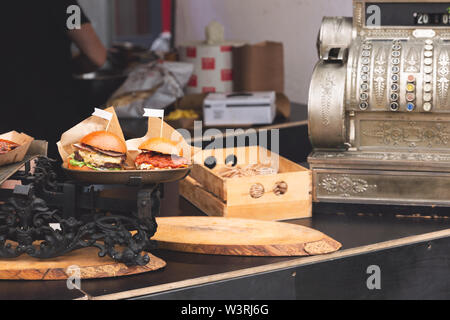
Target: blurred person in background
39 95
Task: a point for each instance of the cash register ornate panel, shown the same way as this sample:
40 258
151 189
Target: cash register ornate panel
379 105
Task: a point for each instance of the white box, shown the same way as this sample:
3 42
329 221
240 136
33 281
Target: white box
221 109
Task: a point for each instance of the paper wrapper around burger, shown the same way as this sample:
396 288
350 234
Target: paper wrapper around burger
154 131
16 155
91 124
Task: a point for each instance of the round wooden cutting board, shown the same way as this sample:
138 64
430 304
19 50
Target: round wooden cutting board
242 237
89 264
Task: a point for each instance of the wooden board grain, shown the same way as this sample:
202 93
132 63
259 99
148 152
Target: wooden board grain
242 237
90 265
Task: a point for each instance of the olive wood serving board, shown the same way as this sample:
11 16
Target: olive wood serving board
241 237
90 266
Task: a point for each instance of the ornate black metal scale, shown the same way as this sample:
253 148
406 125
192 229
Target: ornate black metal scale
46 217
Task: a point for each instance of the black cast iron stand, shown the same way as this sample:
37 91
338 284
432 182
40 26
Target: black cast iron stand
40 218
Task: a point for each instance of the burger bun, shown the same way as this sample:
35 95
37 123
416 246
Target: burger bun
162 145
105 141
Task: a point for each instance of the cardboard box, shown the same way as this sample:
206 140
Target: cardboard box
259 67
251 108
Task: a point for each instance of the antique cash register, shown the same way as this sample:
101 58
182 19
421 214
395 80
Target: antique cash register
379 105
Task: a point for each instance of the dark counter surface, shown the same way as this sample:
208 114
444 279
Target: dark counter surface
185 269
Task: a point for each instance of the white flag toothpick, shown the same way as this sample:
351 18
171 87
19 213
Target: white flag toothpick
155 113
104 115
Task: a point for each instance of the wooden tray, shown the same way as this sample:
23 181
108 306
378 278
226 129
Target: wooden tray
217 196
241 237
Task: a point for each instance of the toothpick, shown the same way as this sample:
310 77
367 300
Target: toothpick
156 113
107 126
104 115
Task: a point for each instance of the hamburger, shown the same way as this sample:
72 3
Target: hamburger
99 150
160 153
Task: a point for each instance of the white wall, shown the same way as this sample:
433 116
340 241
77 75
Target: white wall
293 22
100 14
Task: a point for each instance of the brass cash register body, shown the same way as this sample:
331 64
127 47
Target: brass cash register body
379 105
